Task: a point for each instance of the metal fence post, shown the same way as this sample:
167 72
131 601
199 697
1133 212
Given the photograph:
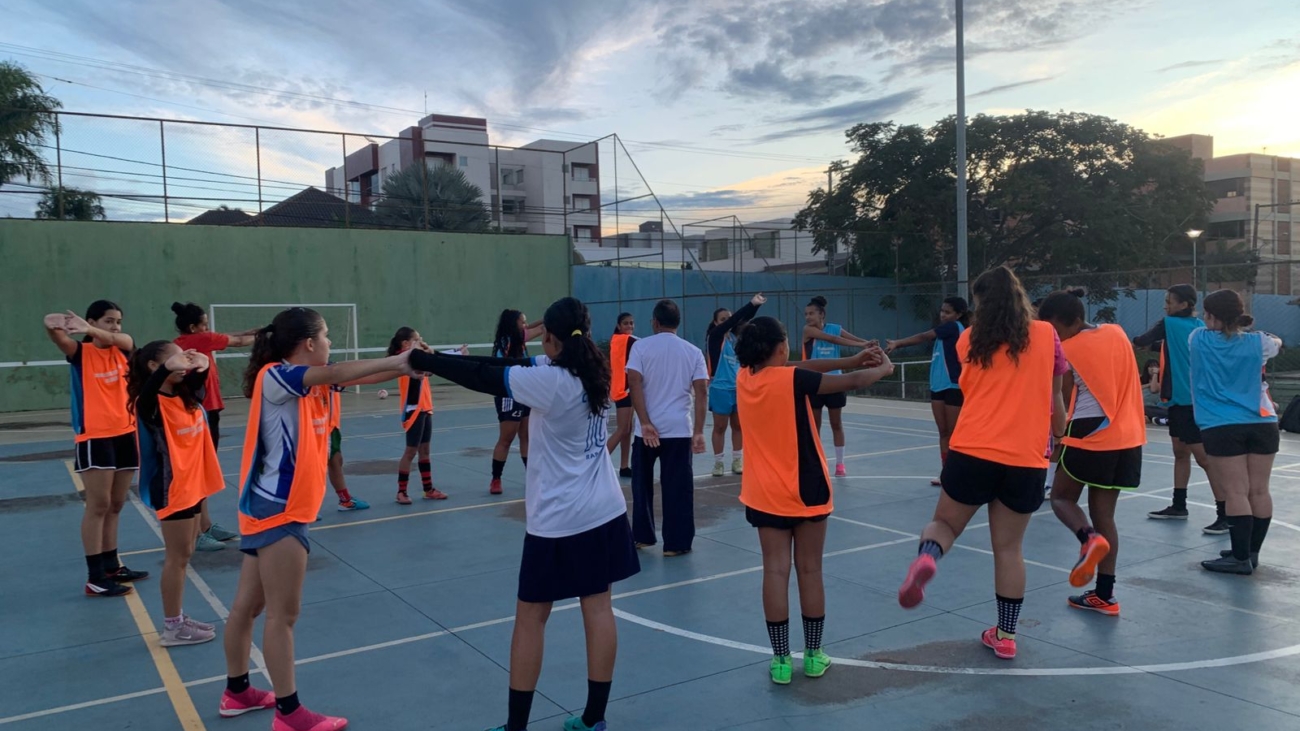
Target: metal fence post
257 145
347 207
58 162
162 143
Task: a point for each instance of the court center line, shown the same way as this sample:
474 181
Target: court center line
180 698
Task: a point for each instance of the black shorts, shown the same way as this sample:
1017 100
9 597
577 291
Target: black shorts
421 431
510 410
1234 440
190 512
829 401
214 427
1115 469
949 396
624 403
554 569
974 481
759 519
1182 425
109 453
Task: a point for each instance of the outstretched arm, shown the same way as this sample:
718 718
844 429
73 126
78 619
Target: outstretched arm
477 374
918 339
813 333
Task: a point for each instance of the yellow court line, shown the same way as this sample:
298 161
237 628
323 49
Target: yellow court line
186 713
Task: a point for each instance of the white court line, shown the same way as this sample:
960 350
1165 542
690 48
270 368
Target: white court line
1029 672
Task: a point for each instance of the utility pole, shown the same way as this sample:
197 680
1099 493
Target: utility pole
963 266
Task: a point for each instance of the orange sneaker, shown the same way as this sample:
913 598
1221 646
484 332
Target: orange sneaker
434 493
1090 601
1003 647
1090 554
403 498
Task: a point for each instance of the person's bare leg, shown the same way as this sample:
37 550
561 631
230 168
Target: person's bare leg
338 480
1202 461
506 432
809 545
282 567
837 426
205 520
719 435
178 547
1066 492
248 605
121 492
1007 534
737 437
527 644
1101 507
950 519
98 485
1259 468
602 636
775 544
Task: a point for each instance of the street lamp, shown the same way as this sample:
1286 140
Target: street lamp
1194 234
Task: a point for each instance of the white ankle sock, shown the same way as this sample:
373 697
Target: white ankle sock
839 455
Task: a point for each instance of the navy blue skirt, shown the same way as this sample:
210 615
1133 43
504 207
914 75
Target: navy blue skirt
554 569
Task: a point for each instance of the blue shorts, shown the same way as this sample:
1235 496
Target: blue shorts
250 543
722 401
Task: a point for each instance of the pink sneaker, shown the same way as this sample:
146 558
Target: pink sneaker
250 700
912 592
305 720
840 471
1003 648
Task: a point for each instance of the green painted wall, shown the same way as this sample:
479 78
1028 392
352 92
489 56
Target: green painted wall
450 287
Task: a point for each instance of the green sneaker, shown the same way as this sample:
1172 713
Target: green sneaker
221 534
206 542
718 469
815 663
782 669
575 724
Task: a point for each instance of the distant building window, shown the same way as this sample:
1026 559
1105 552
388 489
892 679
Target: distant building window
581 172
512 176
512 206
581 203
464 161
765 245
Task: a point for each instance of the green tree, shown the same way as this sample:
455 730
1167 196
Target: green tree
76 205
26 117
431 198
1050 194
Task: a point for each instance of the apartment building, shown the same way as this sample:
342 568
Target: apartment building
1242 184
543 187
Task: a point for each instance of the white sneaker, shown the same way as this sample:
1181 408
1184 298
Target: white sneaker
184 634
718 469
196 624
737 466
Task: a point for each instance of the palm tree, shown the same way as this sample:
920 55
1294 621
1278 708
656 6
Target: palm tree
70 204
26 117
433 199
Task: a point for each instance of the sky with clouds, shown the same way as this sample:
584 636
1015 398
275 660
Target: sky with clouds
726 106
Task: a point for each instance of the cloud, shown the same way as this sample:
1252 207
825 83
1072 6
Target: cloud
711 199
1008 87
841 116
768 78
1190 65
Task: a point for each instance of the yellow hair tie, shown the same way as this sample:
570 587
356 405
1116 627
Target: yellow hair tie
576 333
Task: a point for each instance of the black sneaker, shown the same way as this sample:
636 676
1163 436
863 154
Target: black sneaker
1218 528
1254 557
1169 513
625 473
1228 565
125 574
106 587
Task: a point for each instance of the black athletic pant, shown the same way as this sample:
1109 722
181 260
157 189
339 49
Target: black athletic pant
676 480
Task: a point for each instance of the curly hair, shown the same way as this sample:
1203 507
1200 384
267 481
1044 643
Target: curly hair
1002 317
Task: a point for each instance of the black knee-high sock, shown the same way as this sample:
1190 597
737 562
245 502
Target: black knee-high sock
1008 613
498 466
1105 586
812 632
1241 527
521 705
1180 498
779 634
931 548
109 561
1220 509
426 475
238 685
94 568
1084 534
403 478
525 460
1258 533
597 699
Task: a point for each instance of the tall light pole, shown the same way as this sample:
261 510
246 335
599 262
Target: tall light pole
1195 234
963 266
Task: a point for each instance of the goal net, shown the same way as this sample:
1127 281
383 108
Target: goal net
237 318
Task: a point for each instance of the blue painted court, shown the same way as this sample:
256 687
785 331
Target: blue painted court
407 611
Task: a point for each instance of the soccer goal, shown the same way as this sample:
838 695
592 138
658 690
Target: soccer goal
340 316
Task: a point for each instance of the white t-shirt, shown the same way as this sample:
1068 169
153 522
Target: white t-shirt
571 484
669 366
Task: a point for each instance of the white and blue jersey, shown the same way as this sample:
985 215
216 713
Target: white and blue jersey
945 366
1226 387
277 446
821 349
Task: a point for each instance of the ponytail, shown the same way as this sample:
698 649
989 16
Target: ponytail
568 320
401 336
187 315
277 341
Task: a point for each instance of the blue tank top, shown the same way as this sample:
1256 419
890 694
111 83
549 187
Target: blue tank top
1177 331
1225 378
945 369
724 376
822 349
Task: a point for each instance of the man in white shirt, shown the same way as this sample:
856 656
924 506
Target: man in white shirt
663 372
